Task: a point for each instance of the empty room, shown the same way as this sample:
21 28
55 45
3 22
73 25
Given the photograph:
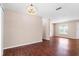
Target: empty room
40 29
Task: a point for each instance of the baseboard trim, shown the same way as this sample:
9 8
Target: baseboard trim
64 37
45 40
21 45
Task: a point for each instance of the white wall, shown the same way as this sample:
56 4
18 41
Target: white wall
0 30
21 29
73 31
77 30
46 28
51 29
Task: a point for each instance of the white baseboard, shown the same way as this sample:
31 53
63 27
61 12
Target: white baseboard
22 44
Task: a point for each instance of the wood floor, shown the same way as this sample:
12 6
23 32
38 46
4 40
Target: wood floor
55 47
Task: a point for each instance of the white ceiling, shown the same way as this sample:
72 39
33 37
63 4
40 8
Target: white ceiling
69 11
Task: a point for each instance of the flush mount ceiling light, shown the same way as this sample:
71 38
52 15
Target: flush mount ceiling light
31 10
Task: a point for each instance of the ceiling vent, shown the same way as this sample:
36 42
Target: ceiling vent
59 8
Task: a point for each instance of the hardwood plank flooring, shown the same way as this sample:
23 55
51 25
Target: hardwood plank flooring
54 47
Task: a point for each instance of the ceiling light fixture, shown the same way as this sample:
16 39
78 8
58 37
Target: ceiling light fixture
31 10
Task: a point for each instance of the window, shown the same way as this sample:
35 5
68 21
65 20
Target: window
63 29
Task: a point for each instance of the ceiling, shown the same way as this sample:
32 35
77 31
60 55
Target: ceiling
69 11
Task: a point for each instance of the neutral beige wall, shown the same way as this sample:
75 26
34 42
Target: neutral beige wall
1 30
46 28
21 29
51 29
71 27
77 30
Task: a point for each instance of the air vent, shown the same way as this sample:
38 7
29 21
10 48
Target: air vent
59 8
